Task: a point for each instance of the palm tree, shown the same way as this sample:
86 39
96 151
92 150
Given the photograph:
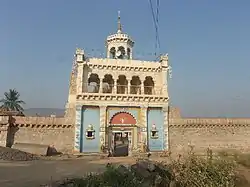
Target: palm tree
11 102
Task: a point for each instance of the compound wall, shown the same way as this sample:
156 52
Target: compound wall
201 133
214 133
37 130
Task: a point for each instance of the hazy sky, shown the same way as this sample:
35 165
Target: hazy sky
207 42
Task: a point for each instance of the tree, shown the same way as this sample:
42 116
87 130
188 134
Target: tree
11 101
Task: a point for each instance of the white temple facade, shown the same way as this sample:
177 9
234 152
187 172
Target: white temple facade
118 103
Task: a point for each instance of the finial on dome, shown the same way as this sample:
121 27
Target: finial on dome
119 23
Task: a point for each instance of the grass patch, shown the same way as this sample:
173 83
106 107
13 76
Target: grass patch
209 171
240 158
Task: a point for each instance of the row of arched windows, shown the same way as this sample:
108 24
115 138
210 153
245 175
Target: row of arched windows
121 85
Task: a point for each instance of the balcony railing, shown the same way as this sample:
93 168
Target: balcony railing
121 89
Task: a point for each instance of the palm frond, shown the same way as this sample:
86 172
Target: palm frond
11 101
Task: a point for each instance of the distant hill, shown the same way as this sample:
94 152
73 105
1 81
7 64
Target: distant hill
44 112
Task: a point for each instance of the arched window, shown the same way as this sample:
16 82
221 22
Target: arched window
112 53
135 85
108 83
93 83
149 86
122 84
120 52
128 53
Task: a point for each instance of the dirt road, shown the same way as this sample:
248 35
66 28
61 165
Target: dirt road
35 173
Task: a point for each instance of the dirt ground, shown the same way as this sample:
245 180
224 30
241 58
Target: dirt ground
36 173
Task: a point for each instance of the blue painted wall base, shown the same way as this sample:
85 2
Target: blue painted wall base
155 117
90 116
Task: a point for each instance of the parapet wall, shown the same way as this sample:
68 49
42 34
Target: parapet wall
61 138
214 133
37 130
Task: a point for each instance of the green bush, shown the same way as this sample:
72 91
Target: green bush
112 177
190 171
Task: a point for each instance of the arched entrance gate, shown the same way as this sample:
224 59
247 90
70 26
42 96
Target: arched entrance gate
122 127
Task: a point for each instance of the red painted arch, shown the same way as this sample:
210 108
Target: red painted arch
123 118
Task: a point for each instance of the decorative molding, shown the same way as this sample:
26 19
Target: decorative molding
43 126
119 103
200 125
124 68
124 65
122 125
122 97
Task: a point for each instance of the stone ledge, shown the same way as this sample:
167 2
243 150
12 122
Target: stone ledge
208 125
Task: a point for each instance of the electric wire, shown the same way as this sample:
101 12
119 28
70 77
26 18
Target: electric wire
155 20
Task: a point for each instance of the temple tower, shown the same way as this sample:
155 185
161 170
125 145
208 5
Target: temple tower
119 45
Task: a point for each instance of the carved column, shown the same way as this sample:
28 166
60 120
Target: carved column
79 81
101 77
142 78
102 125
78 129
115 84
129 85
142 88
165 86
165 110
85 79
143 125
100 86
164 64
115 87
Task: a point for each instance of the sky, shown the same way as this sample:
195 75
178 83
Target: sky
207 43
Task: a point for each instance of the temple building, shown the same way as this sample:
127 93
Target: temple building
118 103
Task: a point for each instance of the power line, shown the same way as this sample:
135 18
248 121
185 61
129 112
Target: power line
157 20
153 15
156 23
157 11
